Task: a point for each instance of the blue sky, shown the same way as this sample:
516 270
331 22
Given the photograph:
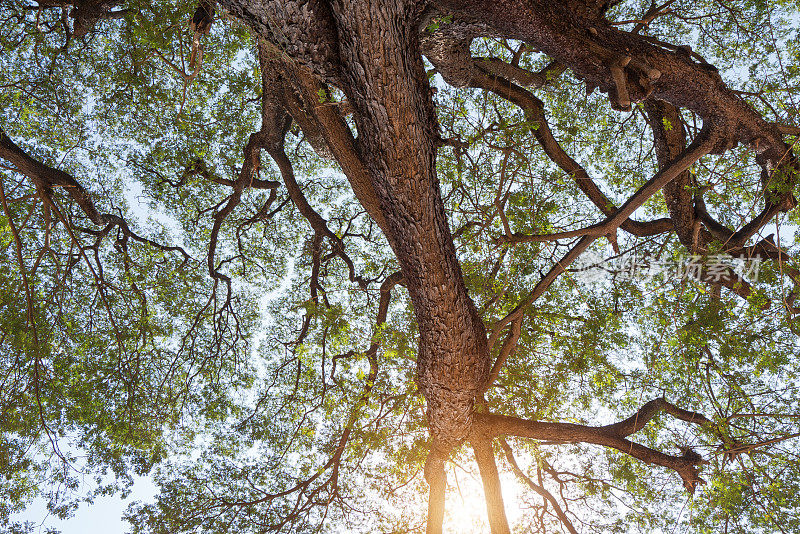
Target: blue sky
102 517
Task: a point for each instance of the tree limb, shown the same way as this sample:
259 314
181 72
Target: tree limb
613 436
699 147
45 178
456 65
492 490
512 461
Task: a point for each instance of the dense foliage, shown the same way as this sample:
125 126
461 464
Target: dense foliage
184 308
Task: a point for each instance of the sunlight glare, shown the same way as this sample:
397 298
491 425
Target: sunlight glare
465 508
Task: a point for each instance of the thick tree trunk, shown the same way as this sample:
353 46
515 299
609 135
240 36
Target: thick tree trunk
371 52
386 83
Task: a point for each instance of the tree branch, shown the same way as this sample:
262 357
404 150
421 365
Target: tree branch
492 490
45 178
512 461
453 59
613 436
699 147
650 409
508 347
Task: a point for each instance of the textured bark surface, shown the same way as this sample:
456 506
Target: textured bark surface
302 29
670 138
581 39
397 129
373 55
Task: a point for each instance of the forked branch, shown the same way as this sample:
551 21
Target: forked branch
701 146
614 436
512 461
455 64
46 178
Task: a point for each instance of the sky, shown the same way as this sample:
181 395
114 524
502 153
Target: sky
102 517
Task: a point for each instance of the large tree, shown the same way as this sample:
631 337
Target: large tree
449 254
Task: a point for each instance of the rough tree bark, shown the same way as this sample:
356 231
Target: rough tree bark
388 90
85 13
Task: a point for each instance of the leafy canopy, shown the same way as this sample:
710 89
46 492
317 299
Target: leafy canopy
262 369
